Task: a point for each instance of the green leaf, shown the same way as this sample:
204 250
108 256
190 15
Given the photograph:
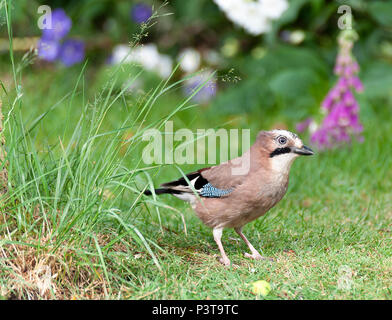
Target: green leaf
294 88
285 57
382 12
377 80
294 82
244 97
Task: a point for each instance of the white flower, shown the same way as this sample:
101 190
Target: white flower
189 60
297 36
255 21
273 9
254 16
147 56
132 85
121 54
165 66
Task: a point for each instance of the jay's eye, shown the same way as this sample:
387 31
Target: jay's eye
282 140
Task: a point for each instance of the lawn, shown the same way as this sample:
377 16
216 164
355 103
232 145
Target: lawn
76 226
74 221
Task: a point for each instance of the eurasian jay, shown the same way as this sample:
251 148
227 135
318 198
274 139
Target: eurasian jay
224 197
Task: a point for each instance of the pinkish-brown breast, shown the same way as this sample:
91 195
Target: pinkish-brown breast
253 198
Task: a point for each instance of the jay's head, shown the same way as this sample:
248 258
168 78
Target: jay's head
282 148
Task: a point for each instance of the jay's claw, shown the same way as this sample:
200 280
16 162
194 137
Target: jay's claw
225 262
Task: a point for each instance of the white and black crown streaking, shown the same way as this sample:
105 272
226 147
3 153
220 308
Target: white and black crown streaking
222 199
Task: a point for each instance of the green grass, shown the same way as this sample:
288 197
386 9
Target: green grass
337 213
74 224
118 244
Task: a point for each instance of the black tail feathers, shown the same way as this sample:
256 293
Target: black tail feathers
148 193
161 191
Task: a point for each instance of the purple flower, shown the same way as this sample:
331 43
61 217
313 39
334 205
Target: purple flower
109 59
204 93
342 85
141 12
342 119
320 137
48 50
332 96
285 35
52 47
356 83
304 125
71 52
61 24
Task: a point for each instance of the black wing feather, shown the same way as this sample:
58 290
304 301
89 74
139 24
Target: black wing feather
200 182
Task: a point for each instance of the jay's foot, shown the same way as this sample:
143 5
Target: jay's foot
257 256
225 261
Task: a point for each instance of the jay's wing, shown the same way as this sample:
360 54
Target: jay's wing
213 182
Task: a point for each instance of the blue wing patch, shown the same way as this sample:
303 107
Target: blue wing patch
210 191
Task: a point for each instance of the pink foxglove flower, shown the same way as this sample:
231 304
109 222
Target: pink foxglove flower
341 123
304 125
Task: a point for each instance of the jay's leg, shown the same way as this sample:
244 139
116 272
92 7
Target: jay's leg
255 255
217 232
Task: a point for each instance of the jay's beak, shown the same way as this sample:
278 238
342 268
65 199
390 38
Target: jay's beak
304 151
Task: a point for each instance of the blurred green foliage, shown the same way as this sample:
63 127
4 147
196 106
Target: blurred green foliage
277 74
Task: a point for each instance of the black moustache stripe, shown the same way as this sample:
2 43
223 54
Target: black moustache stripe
279 151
